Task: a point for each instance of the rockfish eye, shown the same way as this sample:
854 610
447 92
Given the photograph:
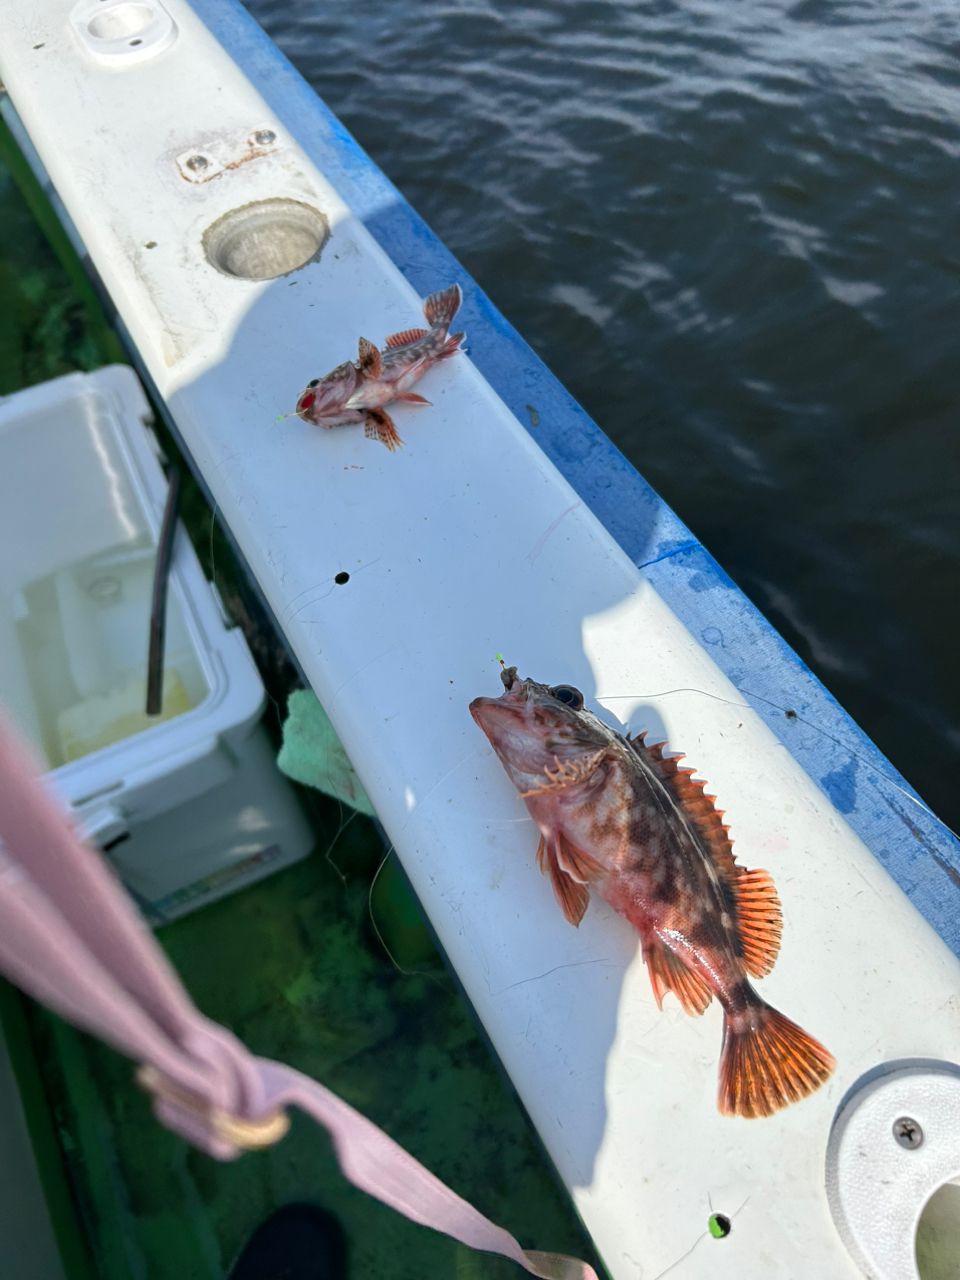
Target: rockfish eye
568 695
314 383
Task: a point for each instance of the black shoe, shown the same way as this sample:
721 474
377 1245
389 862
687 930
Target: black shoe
297 1242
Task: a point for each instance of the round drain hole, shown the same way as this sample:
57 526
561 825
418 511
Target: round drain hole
266 239
121 21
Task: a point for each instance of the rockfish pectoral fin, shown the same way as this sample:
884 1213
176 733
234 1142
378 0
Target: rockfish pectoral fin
767 1062
411 397
669 973
572 894
380 426
371 365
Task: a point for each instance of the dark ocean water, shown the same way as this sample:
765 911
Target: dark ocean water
733 230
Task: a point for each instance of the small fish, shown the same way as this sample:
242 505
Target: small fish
359 391
621 819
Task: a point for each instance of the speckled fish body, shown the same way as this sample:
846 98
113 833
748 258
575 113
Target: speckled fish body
620 819
359 391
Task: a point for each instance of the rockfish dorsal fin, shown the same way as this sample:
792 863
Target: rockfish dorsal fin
569 869
760 920
752 894
405 337
369 359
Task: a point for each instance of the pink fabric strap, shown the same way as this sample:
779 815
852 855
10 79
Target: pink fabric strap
70 936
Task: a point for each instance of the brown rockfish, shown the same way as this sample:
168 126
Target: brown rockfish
621 819
358 391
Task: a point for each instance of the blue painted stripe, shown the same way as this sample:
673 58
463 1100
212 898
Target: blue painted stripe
917 850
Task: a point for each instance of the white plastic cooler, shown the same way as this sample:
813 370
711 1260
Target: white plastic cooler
189 804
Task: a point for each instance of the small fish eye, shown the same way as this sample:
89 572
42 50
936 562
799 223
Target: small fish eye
568 695
314 383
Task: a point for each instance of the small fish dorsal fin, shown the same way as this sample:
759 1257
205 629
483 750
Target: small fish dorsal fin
752 893
369 359
405 337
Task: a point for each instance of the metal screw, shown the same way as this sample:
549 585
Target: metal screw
908 1133
196 164
263 137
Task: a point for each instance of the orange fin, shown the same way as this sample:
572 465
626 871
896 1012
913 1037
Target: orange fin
751 896
411 397
768 1064
371 365
405 337
759 921
567 773
576 862
669 973
451 346
440 308
379 426
571 894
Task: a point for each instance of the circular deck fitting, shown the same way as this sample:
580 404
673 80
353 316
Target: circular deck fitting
266 239
122 32
893 1170
120 21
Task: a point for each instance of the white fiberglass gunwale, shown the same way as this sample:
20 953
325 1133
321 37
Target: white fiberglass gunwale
466 543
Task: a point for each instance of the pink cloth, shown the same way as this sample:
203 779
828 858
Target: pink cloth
70 936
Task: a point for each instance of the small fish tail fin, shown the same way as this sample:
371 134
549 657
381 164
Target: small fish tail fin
440 308
767 1062
451 346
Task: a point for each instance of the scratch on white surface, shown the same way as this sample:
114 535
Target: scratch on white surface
377 657
573 964
541 542
683 1257
872 887
441 780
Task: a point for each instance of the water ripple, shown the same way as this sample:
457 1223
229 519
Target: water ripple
733 230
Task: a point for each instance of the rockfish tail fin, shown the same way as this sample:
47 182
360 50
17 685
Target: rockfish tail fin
767 1062
440 308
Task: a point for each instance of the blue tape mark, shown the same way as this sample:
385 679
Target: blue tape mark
917 850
